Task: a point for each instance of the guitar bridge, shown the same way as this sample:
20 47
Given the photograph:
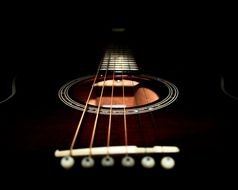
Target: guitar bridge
116 150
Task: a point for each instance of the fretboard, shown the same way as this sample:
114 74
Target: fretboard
118 60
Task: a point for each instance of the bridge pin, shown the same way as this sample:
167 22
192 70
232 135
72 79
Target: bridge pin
67 162
167 162
128 161
107 161
148 162
87 162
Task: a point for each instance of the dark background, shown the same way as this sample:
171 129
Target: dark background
191 44
45 35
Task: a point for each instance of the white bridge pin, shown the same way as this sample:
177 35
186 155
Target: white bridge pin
67 162
107 161
87 162
167 162
127 161
148 162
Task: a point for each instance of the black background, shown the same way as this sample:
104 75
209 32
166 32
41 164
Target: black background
42 36
191 44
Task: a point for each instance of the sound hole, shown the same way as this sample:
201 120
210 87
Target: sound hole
134 94
141 94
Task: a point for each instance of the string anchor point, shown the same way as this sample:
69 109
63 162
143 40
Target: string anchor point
87 162
167 162
67 162
148 162
107 161
128 161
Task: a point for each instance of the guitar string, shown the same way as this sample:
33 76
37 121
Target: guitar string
98 108
111 103
124 108
138 116
84 111
151 114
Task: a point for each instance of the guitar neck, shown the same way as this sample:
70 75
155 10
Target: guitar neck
118 60
118 57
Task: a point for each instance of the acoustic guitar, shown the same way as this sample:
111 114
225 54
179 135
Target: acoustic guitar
115 121
130 119
117 106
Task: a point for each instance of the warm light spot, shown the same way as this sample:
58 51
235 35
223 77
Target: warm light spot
123 82
118 29
134 95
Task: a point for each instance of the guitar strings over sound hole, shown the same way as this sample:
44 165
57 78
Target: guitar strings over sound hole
117 96
134 94
141 94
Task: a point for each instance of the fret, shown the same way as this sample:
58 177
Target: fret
116 59
118 66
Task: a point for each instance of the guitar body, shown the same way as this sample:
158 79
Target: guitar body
156 106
